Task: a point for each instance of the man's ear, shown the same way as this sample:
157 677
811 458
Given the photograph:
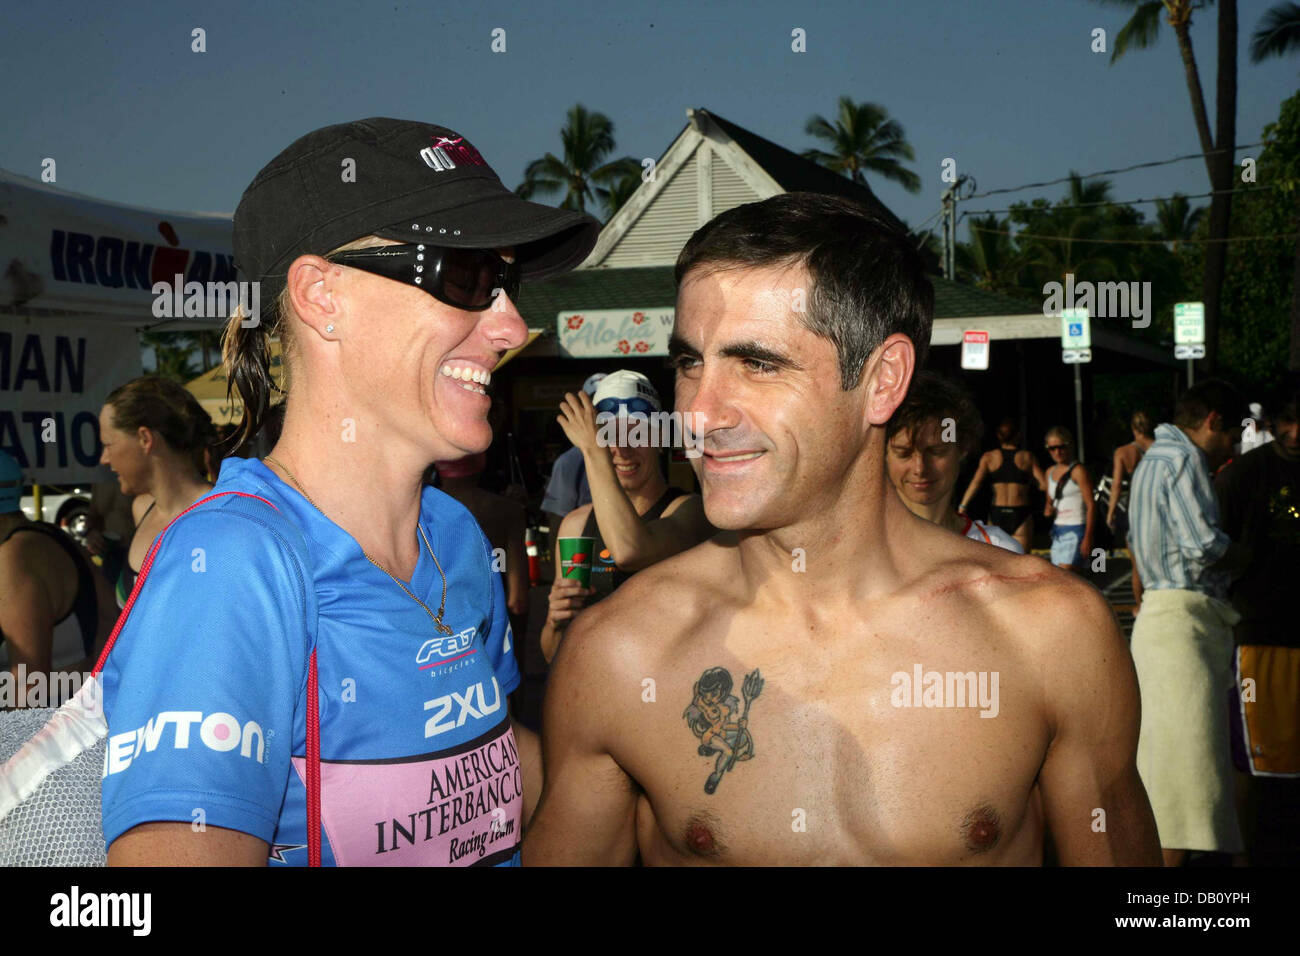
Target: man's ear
888 375
311 285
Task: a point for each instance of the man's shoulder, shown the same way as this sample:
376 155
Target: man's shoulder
1020 596
653 610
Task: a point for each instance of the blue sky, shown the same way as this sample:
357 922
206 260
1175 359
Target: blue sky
1009 88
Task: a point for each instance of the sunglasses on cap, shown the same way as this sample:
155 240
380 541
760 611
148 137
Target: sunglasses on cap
468 279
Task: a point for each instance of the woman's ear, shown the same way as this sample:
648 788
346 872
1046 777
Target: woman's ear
311 293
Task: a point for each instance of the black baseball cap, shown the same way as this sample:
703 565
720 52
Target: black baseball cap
407 181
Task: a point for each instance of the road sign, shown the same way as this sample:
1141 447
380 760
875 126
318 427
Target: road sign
975 349
1196 351
1076 331
1076 356
1189 323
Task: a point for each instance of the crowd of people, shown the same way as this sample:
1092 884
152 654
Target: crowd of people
785 603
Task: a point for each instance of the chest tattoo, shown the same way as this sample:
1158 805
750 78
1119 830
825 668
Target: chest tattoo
719 721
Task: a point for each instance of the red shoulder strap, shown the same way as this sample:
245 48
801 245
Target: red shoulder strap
313 704
313 765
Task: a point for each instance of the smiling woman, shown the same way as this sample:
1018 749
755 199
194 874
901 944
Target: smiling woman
306 609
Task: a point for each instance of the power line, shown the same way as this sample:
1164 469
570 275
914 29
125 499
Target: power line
1133 202
917 229
1113 172
1131 242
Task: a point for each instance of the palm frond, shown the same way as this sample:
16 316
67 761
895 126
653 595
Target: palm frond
1278 32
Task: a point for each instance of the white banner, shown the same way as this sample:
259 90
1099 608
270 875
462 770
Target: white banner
62 251
54 377
610 333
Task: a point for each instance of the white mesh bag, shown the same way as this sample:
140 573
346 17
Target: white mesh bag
50 811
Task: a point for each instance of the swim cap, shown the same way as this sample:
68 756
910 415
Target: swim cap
626 391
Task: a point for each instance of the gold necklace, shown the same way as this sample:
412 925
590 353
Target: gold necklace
437 619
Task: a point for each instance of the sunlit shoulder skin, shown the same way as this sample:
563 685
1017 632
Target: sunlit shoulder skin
740 703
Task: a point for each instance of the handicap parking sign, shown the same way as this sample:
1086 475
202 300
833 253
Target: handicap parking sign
1075 330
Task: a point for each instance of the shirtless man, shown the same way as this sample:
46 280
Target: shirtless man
788 644
1008 468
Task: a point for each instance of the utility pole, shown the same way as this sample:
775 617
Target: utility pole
950 197
949 229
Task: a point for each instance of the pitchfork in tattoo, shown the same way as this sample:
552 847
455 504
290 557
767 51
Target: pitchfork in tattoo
712 718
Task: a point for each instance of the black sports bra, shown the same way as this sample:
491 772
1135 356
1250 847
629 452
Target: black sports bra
1007 472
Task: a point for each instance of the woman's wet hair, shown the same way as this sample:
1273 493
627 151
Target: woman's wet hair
166 408
246 355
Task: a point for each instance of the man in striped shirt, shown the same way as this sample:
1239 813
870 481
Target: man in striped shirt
1182 639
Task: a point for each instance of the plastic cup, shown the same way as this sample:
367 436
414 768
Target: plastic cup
575 559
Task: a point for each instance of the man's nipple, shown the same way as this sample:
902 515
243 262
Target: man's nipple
982 829
700 837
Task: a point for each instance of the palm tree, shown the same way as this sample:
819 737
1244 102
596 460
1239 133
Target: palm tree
1074 218
1278 32
1140 32
1176 219
990 259
172 354
620 189
588 138
863 139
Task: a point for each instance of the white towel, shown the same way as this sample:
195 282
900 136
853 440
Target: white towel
1182 648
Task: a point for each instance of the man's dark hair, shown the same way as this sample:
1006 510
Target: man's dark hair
868 280
1283 402
1212 395
932 397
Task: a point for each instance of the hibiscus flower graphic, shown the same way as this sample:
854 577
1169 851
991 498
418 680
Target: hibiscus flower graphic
643 346
624 346
638 317
575 321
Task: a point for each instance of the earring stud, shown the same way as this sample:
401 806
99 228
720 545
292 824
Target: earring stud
329 328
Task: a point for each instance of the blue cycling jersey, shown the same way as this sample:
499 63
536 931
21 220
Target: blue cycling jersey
205 688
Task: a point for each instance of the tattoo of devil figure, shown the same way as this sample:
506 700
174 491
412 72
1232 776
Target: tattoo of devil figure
716 718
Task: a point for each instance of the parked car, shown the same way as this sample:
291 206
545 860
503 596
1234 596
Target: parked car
66 506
